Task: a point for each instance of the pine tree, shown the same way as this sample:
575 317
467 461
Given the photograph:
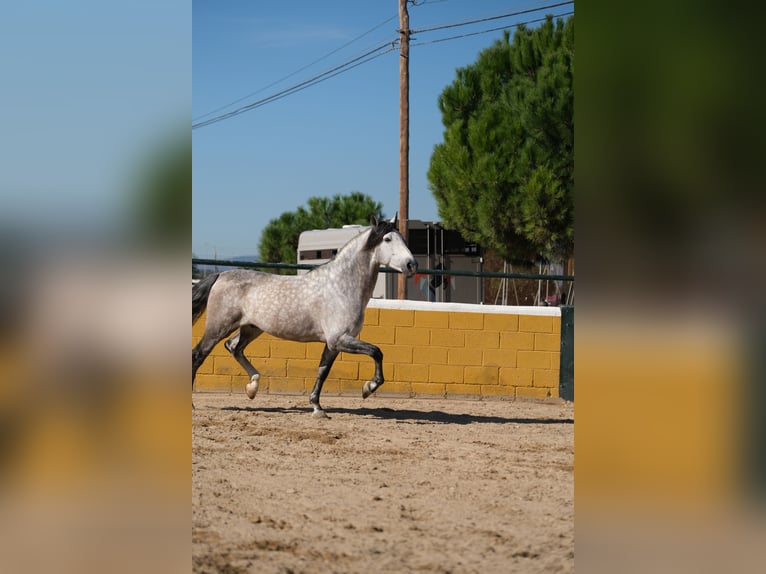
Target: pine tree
504 175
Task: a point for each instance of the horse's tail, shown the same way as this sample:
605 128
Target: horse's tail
200 293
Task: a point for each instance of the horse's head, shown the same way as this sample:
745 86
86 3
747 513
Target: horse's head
389 246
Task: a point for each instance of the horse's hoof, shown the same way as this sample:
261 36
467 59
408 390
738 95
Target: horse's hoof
368 389
252 387
319 414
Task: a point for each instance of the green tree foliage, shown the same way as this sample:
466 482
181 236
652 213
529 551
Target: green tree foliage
162 208
504 175
279 240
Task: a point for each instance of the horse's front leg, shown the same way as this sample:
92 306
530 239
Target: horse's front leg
349 344
325 364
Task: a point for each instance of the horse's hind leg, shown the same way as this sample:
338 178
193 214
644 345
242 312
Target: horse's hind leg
209 340
236 346
325 364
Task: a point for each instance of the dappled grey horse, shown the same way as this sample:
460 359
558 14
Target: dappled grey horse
327 305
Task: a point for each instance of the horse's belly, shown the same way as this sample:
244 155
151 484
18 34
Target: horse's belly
291 327
291 334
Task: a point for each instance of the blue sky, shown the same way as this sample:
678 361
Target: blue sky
339 136
91 91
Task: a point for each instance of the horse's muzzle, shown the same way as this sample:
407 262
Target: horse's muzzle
412 267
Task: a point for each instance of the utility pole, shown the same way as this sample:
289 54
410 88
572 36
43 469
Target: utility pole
404 131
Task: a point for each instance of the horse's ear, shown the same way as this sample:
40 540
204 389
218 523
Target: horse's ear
395 219
373 220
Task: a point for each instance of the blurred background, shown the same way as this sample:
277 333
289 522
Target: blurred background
95 183
669 432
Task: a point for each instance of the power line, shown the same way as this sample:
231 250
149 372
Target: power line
515 25
367 57
478 21
299 70
331 73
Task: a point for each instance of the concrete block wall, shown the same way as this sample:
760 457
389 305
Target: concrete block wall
429 350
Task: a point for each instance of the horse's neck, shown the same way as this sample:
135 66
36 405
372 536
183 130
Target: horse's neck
370 278
356 259
357 256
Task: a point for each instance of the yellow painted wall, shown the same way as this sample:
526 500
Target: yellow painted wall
439 353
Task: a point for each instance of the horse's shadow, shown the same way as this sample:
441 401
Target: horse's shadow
412 416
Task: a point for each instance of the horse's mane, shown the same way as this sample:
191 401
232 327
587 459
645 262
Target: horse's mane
377 232
374 233
343 249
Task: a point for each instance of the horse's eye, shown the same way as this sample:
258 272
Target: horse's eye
386 239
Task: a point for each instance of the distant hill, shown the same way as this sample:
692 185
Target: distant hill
244 258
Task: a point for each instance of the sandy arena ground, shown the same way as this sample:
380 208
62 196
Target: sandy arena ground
384 485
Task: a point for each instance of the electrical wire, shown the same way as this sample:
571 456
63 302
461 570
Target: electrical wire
367 57
478 21
299 70
514 25
337 70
